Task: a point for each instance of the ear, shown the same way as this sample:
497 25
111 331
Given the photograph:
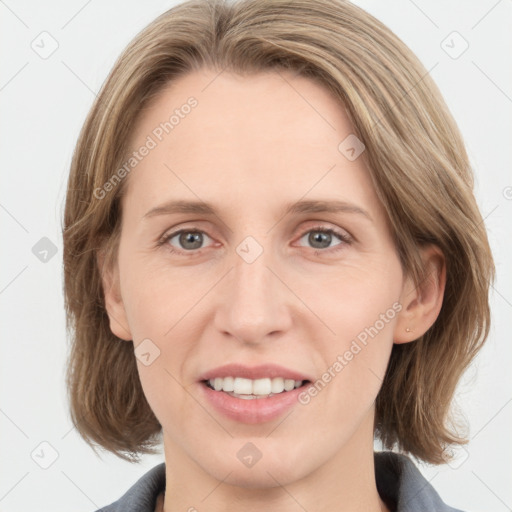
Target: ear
422 303
113 302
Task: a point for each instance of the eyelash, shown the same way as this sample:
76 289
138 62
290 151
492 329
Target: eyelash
345 239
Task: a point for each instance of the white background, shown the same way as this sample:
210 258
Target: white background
44 103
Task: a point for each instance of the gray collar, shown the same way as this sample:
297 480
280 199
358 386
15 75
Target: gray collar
399 482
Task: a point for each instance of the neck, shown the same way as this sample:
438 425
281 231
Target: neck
346 482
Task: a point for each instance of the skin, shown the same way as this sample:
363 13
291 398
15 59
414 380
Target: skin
252 145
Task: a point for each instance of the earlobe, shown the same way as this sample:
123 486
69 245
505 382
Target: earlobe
113 301
422 302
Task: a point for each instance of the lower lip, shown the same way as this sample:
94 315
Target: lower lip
257 410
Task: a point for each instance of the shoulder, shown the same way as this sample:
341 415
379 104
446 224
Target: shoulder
401 484
142 495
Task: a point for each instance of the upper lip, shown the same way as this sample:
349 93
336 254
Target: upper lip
261 371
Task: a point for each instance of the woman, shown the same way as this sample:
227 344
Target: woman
273 256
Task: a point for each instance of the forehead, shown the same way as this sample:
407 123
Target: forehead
258 136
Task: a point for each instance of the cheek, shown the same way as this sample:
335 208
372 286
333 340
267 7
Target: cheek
360 308
353 299
157 298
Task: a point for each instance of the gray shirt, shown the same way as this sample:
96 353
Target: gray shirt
399 482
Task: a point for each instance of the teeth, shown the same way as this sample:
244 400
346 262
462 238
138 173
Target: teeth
261 387
253 388
289 384
228 384
277 385
217 384
242 386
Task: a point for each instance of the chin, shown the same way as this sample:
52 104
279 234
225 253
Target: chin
272 469
265 476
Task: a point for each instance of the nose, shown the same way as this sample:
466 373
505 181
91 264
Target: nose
255 304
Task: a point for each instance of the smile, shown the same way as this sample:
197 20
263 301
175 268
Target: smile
249 389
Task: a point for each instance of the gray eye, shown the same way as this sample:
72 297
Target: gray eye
189 240
320 239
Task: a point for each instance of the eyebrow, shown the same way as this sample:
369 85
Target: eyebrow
304 206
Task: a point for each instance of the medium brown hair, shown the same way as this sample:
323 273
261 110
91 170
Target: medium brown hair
418 164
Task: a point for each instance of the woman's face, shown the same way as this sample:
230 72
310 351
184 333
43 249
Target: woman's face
251 285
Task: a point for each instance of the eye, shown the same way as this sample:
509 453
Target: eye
321 238
189 240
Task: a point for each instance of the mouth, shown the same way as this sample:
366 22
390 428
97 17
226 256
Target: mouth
253 389
253 394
